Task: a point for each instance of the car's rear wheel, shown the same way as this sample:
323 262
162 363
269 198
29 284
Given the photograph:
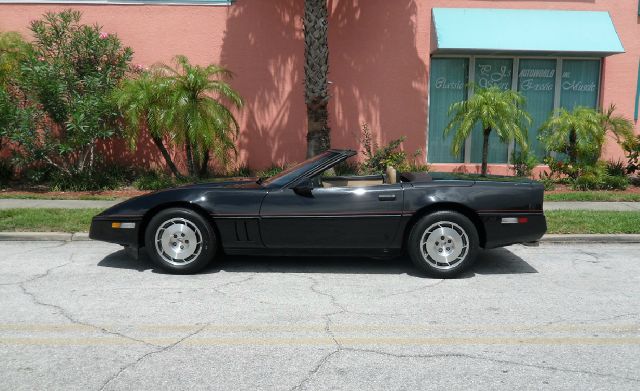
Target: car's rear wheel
443 243
180 241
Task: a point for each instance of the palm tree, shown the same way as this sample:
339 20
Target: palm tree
496 110
620 126
578 133
316 69
142 103
197 112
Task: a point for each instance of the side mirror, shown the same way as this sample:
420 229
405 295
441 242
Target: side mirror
304 188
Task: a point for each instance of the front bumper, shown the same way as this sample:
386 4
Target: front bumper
102 230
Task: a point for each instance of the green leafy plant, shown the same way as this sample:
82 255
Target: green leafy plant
580 133
198 115
378 158
617 168
67 78
523 162
631 147
596 177
153 180
270 171
184 106
495 110
142 102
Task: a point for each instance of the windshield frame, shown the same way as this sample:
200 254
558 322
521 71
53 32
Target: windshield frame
316 163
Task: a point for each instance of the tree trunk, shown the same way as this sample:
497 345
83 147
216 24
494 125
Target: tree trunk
316 69
190 163
485 150
165 154
573 153
204 166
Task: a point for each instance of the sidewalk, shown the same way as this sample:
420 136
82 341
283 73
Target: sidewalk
86 204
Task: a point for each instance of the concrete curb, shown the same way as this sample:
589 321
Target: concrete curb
591 238
84 237
44 236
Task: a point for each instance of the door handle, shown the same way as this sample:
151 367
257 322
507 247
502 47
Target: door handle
387 197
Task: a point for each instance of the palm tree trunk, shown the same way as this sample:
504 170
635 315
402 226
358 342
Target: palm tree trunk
485 150
573 153
204 166
165 154
316 71
190 164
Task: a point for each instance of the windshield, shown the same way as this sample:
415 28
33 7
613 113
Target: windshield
295 171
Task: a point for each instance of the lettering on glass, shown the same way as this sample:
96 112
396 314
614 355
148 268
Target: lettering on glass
442 83
494 76
534 79
575 85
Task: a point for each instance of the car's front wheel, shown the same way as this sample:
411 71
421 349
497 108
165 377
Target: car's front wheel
443 243
180 241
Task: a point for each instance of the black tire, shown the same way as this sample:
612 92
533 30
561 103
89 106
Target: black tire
195 227
461 256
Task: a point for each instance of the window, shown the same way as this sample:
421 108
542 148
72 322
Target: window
537 83
546 83
491 72
448 85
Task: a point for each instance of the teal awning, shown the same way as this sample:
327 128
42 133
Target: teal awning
495 31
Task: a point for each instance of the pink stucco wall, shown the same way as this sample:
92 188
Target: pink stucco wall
379 62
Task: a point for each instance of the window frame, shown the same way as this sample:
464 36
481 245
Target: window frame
514 86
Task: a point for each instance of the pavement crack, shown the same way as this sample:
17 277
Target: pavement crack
162 349
315 370
328 331
62 311
422 287
494 360
217 287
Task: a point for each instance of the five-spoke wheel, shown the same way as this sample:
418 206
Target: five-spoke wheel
443 243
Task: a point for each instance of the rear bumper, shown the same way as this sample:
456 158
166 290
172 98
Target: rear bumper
102 230
499 233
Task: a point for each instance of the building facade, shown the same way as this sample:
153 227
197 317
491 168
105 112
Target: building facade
394 65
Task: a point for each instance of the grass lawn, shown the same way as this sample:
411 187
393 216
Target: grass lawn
47 220
36 196
610 196
559 222
592 222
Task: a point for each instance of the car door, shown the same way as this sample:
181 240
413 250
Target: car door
332 218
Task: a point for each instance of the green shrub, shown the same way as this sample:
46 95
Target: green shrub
631 148
615 183
378 158
153 180
103 177
64 89
269 172
242 171
597 177
346 168
617 168
523 162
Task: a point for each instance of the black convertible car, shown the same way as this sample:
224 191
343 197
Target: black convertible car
440 220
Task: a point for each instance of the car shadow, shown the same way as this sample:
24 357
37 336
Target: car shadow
489 262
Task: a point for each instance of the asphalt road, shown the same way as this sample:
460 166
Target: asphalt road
81 315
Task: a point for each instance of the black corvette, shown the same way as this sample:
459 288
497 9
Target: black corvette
440 220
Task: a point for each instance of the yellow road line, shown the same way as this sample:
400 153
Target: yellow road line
446 341
321 327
